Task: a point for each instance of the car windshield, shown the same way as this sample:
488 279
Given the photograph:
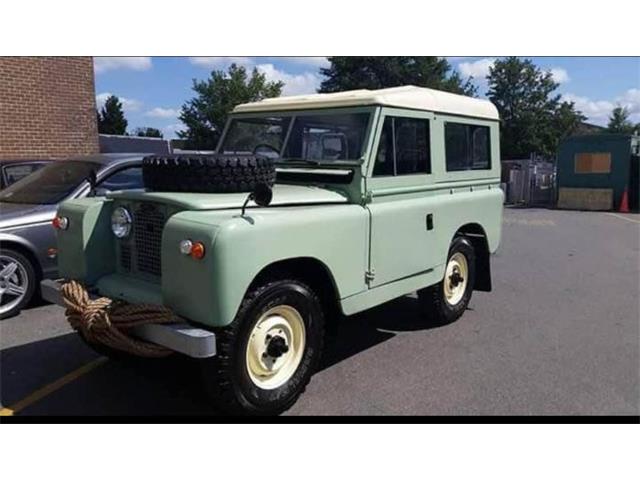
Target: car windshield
50 184
308 137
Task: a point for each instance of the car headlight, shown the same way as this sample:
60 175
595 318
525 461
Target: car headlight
121 222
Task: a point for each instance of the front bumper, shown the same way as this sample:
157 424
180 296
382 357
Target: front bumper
179 337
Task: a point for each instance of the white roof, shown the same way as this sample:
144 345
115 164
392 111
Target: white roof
416 98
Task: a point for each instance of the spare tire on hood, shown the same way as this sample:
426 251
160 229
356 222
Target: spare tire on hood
207 173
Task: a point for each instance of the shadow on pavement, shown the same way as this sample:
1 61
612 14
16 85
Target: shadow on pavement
167 386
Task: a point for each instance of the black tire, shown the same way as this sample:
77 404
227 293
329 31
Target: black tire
207 173
226 377
32 281
433 299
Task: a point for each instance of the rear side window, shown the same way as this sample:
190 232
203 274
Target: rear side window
13 173
404 147
467 147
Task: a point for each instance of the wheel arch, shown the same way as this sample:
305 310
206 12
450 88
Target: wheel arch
311 271
478 238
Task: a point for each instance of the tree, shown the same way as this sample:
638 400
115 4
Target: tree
352 73
111 117
619 121
534 119
147 132
206 114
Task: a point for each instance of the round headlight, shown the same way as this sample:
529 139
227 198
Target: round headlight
121 222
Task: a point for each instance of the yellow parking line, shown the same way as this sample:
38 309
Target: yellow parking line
623 218
50 388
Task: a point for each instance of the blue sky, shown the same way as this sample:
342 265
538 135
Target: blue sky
154 88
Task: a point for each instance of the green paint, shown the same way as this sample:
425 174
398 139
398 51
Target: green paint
370 235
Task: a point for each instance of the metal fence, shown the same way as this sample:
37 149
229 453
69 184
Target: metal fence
530 182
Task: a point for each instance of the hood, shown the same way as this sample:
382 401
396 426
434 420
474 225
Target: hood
19 214
282 195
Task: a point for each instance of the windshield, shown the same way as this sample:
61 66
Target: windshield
50 184
310 137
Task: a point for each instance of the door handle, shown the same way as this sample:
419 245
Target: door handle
430 221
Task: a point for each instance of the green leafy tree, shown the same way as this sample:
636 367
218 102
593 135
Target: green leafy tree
111 118
147 132
352 73
206 114
619 121
534 119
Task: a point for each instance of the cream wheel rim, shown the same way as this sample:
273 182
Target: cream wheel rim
275 347
456 278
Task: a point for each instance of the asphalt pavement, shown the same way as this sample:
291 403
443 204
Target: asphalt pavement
559 335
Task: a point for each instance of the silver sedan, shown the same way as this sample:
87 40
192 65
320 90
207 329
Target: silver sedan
27 208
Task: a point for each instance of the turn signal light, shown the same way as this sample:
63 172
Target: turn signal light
193 249
197 251
60 223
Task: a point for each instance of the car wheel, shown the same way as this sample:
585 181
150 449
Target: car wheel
446 301
267 355
17 282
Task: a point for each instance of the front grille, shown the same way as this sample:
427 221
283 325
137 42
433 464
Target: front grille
148 222
125 257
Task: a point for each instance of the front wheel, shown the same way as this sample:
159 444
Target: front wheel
267 355
17 282
446 301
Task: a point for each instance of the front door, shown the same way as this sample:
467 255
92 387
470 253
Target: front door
401 210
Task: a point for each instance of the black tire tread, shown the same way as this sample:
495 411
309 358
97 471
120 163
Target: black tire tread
207 173
218 376
432 301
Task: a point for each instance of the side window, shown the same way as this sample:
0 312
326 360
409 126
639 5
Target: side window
412 146
13 173
126 179
467 147
404 147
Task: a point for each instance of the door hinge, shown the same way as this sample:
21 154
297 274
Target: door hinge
369 276
367 197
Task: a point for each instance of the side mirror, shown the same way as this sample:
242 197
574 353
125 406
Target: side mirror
262 195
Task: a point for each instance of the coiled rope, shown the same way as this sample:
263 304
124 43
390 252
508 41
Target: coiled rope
106 322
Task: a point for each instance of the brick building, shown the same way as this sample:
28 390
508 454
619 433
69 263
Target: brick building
47 107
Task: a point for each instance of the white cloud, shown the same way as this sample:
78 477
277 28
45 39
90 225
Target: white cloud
309 61
169 131
217 62
104 64
478 69
560 75
598 111
631 100
128 104
160 112
294 84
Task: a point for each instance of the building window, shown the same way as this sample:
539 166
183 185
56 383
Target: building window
404 147
467 147
593 163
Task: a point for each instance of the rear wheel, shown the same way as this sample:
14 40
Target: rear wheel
17 282
267 355
446 301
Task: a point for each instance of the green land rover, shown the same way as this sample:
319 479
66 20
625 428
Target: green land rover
312 209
